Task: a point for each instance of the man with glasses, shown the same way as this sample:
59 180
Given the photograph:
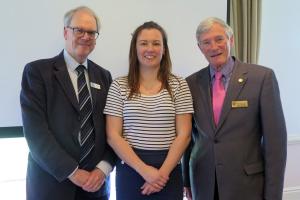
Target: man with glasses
62 101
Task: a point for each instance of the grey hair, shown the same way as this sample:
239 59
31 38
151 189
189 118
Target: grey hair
206 25
69 15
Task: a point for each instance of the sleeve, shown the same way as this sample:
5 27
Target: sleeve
105 167
114 101
274 137
183 98
109 159
185 165
44 147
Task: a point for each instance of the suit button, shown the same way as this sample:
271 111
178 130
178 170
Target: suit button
216 141
78 118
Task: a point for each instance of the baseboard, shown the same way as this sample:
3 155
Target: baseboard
291 193
294 139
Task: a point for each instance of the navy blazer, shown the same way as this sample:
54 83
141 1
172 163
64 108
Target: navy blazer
246 152
51 124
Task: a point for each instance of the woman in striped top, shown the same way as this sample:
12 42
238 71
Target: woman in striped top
149 120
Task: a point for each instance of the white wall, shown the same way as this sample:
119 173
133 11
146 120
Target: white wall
280 50
33 29
292 174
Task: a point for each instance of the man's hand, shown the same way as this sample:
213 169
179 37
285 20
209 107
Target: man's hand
187 193
79 177
94 181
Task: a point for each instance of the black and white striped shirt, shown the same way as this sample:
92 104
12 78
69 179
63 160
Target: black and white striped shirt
149 121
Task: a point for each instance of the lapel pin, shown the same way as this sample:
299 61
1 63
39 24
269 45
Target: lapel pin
240 80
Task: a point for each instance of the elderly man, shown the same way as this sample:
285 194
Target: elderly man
62 101
239 134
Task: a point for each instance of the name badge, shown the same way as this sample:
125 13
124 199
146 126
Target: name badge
95 85
239 104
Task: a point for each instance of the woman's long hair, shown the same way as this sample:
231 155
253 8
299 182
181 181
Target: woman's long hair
164 72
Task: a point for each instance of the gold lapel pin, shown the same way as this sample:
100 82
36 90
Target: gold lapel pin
240 80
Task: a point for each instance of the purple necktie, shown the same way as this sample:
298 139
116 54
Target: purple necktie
218 96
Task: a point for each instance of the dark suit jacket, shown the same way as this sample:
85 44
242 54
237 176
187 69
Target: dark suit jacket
247 150
51 124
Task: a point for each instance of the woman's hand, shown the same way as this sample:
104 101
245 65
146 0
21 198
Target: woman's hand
148 189
154 177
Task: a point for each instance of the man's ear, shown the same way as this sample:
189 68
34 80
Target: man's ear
65 33
200 47
231 40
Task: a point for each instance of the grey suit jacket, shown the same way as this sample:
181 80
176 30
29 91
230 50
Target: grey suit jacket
246 152
51 124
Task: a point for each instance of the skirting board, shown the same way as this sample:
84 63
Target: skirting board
294 139
291 193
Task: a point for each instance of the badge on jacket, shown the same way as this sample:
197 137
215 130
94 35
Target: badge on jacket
239 104
95 85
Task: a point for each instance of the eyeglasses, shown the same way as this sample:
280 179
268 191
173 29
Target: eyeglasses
78 32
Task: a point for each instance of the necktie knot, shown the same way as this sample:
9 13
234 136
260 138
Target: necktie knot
218 75
80 69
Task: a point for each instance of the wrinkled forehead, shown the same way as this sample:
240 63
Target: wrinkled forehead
215 30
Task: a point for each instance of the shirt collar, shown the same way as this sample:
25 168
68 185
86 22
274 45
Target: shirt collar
226 70
71 62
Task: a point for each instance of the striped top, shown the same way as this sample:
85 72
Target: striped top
149 121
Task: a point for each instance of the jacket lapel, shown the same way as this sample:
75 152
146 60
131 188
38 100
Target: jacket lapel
237 81
64 80
204 83
92 82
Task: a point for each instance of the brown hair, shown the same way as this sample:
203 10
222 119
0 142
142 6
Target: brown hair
164 72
